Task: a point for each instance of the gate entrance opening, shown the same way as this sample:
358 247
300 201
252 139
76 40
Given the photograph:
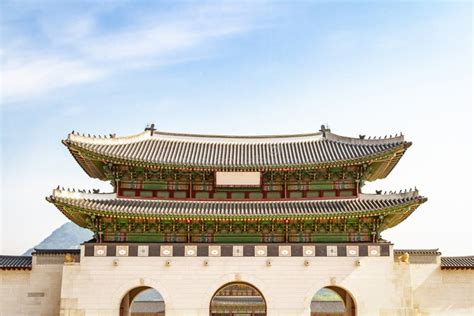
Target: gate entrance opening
238 299
332 301
142 301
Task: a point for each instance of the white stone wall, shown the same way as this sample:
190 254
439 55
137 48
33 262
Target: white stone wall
36 292
442 292
378 285
13 291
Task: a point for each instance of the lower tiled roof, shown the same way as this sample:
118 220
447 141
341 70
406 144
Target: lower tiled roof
82 208
15 263
110 205
465 262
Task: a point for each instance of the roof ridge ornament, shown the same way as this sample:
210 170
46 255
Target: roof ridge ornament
62 192
325 129
150 127
407 193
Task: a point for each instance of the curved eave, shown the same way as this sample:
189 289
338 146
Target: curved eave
75 217
386 166
392 215
396 218
86 164
383 162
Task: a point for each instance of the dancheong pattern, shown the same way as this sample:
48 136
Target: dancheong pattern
169 188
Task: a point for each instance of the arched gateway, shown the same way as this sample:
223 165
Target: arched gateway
238 299
142 301
333 301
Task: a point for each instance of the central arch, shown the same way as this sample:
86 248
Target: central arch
333 301
238 299
142 301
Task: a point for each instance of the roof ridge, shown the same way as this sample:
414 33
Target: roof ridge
82 194
228 136
211 138
362 140
392 194
417 249
112 138
431 251
55 250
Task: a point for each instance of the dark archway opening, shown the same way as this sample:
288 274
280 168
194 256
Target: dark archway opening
333 301
142 301
238 299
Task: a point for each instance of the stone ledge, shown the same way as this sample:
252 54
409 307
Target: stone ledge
240 250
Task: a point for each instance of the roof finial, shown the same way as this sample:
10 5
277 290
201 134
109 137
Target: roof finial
324 129
151 128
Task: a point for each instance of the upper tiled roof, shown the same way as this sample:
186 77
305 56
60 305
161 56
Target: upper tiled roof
465 262
15 263
171 150
398 205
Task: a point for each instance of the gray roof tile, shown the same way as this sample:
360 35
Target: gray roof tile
246 152
429 252
15 262
109 204
465 262
55 251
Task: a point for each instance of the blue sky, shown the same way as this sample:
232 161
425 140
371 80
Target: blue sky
374 68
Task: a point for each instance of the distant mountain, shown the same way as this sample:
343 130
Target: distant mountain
68 236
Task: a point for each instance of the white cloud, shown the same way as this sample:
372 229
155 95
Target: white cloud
77 51
24 78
